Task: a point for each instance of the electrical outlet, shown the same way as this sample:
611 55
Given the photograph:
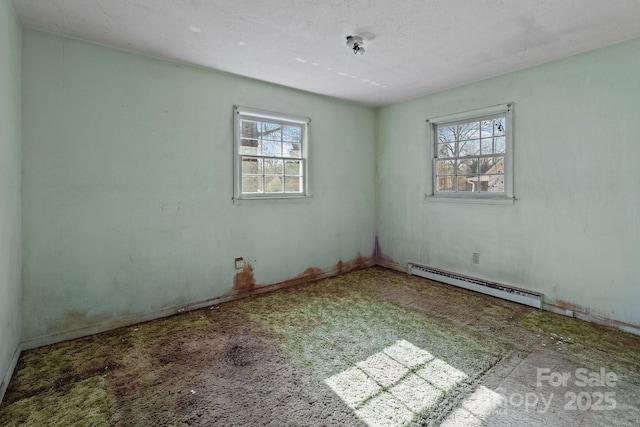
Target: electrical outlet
476 257
239 263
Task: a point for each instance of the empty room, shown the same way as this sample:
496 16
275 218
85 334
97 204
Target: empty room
319 213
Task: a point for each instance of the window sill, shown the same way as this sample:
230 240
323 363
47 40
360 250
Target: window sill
272 199
472 200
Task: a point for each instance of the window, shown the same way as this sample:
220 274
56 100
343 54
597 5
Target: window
472 154
271 154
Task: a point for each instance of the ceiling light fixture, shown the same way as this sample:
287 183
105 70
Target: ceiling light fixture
355 43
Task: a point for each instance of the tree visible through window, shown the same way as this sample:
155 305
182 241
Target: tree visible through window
271 154
472 155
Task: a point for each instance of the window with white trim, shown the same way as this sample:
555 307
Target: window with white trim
270 154
472 154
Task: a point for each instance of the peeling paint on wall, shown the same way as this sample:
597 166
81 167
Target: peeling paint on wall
244 280
312 273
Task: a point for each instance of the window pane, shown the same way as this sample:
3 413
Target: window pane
447 149
467 167
499 126
252 184
249 146
494 184
464 184
446 167
271 148
469 148
251 166
446 183
291 150
486 127
470 155
249 129
494 145
469 130
273 167
293 167
270 158
291 133
273 184
272 131
488 146
473 182
491 165
292 184
447 134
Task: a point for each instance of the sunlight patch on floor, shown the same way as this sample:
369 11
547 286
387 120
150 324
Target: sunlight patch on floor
393 386
475 409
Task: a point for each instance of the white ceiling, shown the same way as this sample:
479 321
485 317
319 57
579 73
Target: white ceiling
413 47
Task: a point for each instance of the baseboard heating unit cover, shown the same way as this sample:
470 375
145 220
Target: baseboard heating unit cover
510 293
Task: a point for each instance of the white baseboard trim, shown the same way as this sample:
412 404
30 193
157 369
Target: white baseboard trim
4 384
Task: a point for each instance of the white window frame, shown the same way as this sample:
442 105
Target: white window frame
247 113
507 196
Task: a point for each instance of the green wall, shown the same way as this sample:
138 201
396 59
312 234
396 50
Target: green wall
573 233
127 186
10 204
128 179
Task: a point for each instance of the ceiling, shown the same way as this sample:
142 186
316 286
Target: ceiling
413 47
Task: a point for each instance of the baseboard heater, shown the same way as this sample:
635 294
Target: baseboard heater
510 293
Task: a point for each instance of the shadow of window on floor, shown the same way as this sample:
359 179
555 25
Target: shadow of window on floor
476 409
393 386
